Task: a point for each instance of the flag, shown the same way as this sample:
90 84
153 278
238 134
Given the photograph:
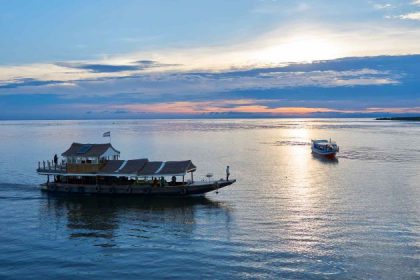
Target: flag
107 134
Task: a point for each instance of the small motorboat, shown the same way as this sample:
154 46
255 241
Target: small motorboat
325 148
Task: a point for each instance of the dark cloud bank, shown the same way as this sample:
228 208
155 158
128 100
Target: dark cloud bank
403 94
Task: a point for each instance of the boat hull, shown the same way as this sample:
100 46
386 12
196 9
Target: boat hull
327 154
134 190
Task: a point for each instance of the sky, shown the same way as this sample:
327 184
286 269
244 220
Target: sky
249 58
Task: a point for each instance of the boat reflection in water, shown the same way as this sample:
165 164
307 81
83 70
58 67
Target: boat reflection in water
106 217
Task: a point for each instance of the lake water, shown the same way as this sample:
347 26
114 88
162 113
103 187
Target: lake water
290 215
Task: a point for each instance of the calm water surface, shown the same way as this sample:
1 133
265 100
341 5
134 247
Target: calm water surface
290 215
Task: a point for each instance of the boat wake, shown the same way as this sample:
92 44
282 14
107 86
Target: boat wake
291 143
5 186
377 155
11 191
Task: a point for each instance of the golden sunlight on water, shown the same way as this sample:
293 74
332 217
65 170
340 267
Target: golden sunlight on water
302 208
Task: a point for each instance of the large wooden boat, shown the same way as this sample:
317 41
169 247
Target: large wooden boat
97 169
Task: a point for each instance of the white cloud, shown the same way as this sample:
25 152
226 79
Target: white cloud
415 2
410 16
382 6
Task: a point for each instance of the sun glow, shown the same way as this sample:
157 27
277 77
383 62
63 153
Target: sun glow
300 48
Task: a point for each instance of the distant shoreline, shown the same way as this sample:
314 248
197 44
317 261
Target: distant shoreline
399 119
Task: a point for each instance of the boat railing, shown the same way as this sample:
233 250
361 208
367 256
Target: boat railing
50 166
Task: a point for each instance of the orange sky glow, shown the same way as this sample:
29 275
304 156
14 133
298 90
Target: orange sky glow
242 106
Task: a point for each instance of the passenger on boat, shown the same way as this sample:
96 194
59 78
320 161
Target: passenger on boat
162 181
227 173
55 160
173 181
155 182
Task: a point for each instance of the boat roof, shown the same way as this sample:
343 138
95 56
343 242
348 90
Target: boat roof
174 167
88 150
322 144
144 167
320 141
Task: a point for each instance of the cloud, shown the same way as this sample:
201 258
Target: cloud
340 86
111 68
382 6
367 81
196 84
27 82
100 68
410 16
415 2
343 86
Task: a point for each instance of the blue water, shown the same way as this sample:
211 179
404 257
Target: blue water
290 215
